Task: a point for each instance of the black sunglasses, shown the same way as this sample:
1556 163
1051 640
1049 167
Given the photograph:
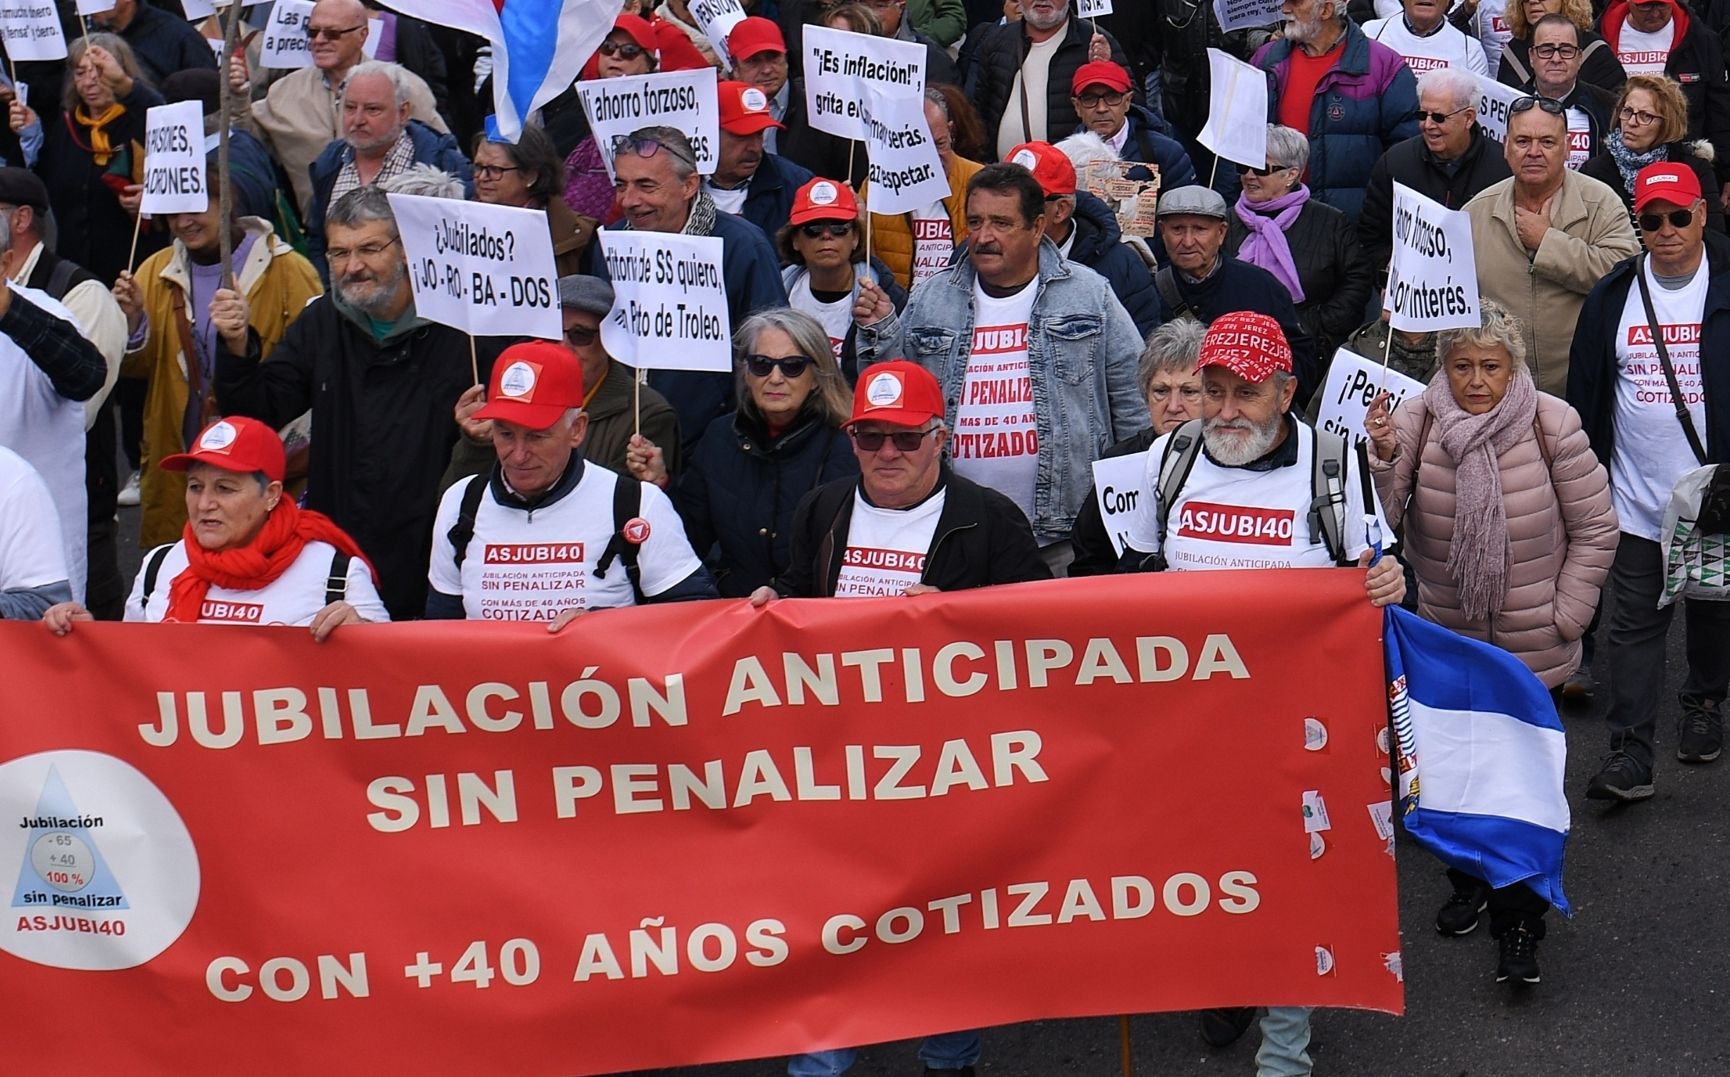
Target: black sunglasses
648 147
1678 218
1525 104
1247 170
903 440
1439 117
581 337
818 229
792 366
624 50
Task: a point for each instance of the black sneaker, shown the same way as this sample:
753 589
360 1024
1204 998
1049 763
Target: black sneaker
1519 960
1224 1027
1460 915
1700 733
1621 778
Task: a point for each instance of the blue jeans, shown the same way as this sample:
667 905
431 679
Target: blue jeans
943 1051
1285 1040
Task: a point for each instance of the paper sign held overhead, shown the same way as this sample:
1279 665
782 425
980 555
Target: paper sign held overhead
905 172
840 66
1092 9
285 44
685 100
97 7
1243 14
487 270
31 29
1433 274
1120 491
174 179
1351 387
669 301
1236 127
716 18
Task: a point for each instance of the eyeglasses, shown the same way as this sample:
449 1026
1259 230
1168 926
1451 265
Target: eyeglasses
903 440
1162 393
331 33
493 172
819 229
648 147
1092 100
1439 118
1527 103
580 336
1678 218
792 366
1552 52
1637 118
1268 171
624 50
365 254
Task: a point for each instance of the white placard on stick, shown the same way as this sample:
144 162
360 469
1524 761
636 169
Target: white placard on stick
1120 490
487 270
840 66
905 172
285 42
1351 387
669 301
1092 9
1236 127
716 19
174 159
31 29
685 100
1492 105
1433 274
374 35
97 7
1244 14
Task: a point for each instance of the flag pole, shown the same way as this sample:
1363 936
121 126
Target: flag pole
637 400
474 363
137 225
225 105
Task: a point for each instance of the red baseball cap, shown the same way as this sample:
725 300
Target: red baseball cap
745 109
235 444
899 393
639 30
1049 165
1100 73
1666 182
754 35
1248 344
677 52
533 385
823 200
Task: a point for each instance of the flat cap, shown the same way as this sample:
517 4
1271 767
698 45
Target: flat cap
591 295
1195 199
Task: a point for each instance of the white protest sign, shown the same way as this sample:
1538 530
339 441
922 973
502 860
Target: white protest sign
1092 9
31 29
669 301
374 35
1492 105
97 7
1236 127
716 18
905 172
285 42
1244 14
685 100
23 91
487 270
1352 384
174 159
1120 490
1433 274
840 66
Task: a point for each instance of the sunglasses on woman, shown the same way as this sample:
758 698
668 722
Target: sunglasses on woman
1678 218
819 229
903 440
792 366
1250 170
624 50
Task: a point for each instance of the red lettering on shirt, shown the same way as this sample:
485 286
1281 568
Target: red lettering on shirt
1673 334
533 553
245 612
1235 523
999 339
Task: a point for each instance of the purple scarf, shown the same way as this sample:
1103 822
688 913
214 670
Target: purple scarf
1478 557
1266 244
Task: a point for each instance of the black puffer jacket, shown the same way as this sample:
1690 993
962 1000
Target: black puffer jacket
1603 169
999 59
1411 163
1335 279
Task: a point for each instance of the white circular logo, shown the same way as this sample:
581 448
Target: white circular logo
220 436
517 380
1315 735
754 101
823 194
884 390
1026 159
106 873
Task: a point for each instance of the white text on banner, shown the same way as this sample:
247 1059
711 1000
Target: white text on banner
174 159
840 66
684 100
487 270
1433 275
669 301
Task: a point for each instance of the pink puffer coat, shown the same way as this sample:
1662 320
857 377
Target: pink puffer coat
1561 533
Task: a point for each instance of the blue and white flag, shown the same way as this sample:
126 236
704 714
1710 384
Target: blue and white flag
1480 753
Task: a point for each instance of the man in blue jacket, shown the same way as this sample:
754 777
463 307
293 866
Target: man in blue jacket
1102 95
749 180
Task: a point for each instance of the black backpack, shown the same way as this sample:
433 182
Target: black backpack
335 584
627 504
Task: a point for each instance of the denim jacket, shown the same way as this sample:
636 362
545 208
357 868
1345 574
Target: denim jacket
1082 350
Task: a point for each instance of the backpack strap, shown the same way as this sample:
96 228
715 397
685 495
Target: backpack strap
463 531
1175 465
152 569
60 279
627 505
1327 513
1166 282
336 584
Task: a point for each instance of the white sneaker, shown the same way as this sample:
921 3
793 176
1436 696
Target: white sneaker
128 496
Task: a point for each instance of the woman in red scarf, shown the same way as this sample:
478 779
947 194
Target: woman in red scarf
249 555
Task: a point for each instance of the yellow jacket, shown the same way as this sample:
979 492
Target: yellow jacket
892 234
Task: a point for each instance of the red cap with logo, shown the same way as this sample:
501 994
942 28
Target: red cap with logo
1100 73
235 444
899 393
754 35
1666 182
533 385
1248 344
1049 165
823 200
745 109
639 30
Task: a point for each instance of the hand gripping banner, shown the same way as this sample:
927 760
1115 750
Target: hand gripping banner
691 833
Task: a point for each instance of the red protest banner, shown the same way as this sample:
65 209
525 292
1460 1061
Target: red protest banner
693 833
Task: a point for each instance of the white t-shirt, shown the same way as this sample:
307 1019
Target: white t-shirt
1232 517
530 566
1489 28
835 318
1642 53
1579 138
1034 76
293 598
886 548
728 201
933 241
996 440
1651 452
1447 47
31 551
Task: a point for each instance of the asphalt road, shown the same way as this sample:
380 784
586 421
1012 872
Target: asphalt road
1636 985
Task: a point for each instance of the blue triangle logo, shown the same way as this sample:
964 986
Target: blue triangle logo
63 866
